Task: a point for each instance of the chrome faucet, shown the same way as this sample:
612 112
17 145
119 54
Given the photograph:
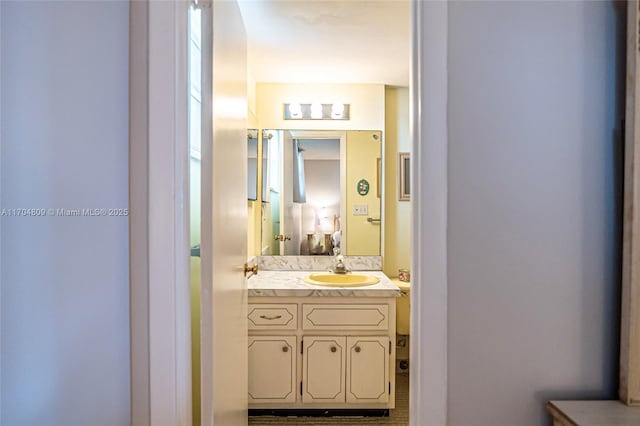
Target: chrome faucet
339 267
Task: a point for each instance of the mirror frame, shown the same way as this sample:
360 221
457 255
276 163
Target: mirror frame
253 134
265 137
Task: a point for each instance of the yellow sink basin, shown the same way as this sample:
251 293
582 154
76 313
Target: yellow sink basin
341 280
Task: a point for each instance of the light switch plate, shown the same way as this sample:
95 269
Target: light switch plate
360 209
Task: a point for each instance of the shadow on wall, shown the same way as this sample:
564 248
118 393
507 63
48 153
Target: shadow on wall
611 161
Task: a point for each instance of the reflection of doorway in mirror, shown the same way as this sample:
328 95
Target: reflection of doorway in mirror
322 177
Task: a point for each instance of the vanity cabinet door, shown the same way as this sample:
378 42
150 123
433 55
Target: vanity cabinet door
368 369
323 365
272 369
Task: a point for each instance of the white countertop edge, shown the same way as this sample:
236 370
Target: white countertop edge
292 284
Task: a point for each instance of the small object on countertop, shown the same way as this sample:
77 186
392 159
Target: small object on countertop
404 275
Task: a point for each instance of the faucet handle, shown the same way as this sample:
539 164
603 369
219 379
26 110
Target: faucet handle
339 267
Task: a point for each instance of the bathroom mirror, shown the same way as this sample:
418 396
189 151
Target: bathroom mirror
320 192
252 164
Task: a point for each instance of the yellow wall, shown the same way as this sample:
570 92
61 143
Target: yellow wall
366 100
195 338
253 207
252 231
363 151
397 233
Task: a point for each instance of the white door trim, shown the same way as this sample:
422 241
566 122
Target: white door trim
159 243
138 212
206 208
0 230
429 86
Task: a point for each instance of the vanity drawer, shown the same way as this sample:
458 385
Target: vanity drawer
345 317
265 316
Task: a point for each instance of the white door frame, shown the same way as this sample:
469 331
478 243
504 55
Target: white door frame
0 232
158 202
159 245
428 393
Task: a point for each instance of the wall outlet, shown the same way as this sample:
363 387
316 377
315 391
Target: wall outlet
360 209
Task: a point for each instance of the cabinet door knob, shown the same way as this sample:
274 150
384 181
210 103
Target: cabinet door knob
357 348
285 349
333 349
253 269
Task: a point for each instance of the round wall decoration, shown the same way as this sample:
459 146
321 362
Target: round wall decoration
363 187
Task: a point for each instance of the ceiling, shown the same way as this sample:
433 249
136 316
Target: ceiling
319 41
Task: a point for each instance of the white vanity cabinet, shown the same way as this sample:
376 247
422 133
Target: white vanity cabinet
343 359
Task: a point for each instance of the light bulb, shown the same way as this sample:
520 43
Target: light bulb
337 110
295 110
316 110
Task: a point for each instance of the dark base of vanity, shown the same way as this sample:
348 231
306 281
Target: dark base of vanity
307 412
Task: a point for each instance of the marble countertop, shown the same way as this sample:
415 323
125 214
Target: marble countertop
292 284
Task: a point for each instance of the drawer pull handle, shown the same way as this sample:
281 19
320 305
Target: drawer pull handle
285 349
271 318
358 349
333 349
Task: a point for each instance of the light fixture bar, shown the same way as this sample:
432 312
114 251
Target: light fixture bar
316 111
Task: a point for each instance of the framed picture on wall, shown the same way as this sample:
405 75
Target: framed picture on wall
404 176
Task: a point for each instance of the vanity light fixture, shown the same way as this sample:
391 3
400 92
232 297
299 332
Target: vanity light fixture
316 111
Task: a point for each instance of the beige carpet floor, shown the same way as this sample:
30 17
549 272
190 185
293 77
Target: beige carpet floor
397 417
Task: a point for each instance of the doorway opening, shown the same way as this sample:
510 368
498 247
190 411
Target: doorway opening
429 169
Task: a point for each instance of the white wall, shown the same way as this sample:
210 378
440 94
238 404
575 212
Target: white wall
534 184
65 288
397 219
